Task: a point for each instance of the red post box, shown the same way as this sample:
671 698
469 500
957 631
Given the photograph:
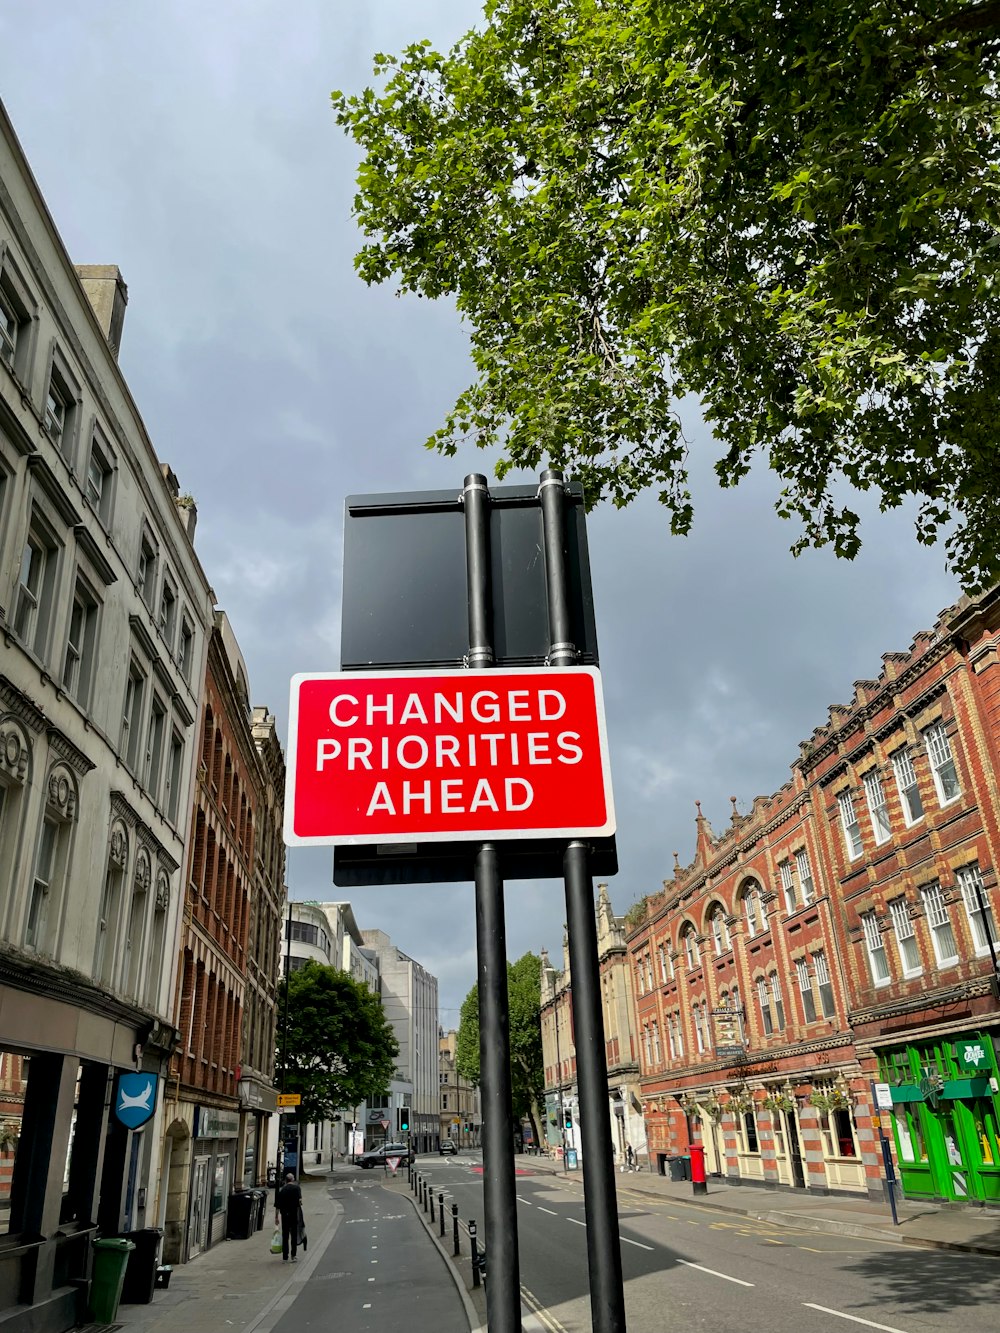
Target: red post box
699 1183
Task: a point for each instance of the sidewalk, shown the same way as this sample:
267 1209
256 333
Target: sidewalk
938 1226
237 1284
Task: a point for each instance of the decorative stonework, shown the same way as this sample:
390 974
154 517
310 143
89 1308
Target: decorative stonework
61 792
15 749
162 892
119 845
143 873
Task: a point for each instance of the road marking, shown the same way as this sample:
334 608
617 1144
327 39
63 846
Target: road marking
551 1212
635 1242
545 1316
527 1202
738 1280
576 1221
855 1319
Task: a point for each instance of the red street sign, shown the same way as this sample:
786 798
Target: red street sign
423 756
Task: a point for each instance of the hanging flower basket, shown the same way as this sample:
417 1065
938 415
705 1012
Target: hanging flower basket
779 1101
714 1109
834 1100
739 1105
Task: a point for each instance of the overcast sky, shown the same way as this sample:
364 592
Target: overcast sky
192 143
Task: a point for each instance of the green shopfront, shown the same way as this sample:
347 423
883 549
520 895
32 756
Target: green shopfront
945 1117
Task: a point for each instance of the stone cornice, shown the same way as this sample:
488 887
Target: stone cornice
935 999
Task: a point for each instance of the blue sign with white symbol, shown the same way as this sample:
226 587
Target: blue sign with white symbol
135 1098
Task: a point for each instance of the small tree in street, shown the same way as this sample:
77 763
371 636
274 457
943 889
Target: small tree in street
336 1047
526 1070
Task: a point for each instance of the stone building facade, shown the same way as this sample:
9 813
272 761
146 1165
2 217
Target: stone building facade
104 620
460 1117
621 1050
842 935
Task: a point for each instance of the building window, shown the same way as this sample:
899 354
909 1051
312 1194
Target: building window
167 618
849 823
107 921
906 938
806 991
779 1006
942 763
100 477
763 998
649 972
878 811
805 875
59 418
720 931
146 570
823 983
691 948
837 1128
81 644
977 908
942 934
906 785
787 885
153 758
42 886
749 1122
36 589
15 321
647 1046
640 979
699 1028
444 1101
666 964
185 650
657 1048
135 688
172 792
753 909
875 947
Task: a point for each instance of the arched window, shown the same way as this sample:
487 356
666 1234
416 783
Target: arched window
110 908
691 948
753 909
52 857
720 930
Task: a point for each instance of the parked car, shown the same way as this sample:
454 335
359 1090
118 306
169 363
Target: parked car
448 1145
379 1156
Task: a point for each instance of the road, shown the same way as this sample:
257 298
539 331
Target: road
688 1268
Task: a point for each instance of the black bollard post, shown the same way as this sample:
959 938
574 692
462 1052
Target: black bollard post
474 1251
454 1229
441 1213
430 1195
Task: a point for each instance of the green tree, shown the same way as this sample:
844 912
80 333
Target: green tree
785 214
337 1049
527 1075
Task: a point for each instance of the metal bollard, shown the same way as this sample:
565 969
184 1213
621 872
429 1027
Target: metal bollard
474 1250
454 1229
414 1177
430 1193
441 1211
425 1196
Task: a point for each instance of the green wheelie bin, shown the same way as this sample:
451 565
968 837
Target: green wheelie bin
108 1278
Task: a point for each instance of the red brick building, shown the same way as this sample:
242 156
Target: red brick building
212 1126
841 934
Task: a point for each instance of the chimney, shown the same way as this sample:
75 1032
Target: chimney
106 290
184 504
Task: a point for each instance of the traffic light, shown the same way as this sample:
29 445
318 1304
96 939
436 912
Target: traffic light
404 1120
569 1120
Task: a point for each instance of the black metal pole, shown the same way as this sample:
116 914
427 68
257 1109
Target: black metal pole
279 1157
607 1296
503 1297
562 1108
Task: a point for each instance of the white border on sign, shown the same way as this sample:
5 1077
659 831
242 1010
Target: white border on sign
292 839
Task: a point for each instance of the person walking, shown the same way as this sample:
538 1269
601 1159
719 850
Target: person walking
287 1211
630 1156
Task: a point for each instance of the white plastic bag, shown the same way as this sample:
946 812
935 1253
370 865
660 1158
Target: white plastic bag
276 1241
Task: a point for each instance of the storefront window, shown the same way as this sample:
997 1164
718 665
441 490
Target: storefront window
220 1184
837 1127
778 1130
750 1131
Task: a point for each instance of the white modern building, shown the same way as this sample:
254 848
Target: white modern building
410 1000
104 620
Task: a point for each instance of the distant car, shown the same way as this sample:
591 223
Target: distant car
448 1146
380 1155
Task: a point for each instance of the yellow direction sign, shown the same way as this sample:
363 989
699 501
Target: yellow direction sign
289 1099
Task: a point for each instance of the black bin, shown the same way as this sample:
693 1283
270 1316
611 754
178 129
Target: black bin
260 1209
240 1215
678 1168
140 1275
